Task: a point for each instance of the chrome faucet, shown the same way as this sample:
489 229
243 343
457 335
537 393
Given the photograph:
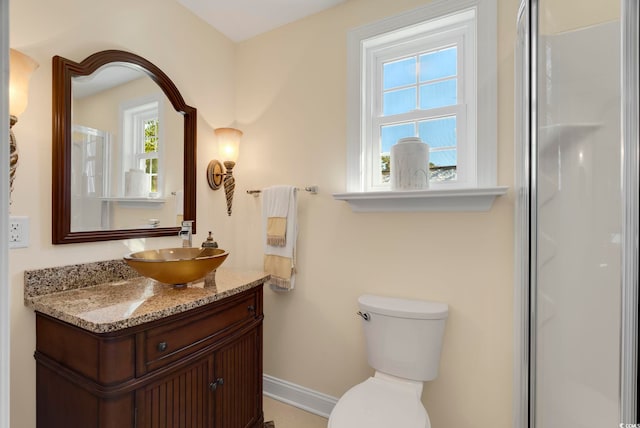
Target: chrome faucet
185 233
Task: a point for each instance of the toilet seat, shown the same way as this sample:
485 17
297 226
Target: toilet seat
380 403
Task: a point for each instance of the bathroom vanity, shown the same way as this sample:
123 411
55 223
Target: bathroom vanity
137 353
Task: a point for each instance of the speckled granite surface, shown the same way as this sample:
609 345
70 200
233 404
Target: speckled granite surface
50 280
118 302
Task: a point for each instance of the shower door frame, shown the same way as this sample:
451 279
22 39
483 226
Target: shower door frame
526 221
630 188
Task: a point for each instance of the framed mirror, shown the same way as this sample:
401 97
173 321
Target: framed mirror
124 150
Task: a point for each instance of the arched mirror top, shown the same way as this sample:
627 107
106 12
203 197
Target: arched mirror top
98 60
102 188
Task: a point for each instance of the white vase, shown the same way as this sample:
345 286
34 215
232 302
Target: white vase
410 164
136 184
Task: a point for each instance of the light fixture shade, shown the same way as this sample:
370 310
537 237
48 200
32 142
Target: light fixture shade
228 143
20 69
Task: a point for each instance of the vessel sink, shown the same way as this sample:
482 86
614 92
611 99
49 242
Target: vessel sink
176 266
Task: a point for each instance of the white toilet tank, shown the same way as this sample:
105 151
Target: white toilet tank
404 336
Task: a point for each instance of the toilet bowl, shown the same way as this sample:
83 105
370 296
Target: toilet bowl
404 340
379 402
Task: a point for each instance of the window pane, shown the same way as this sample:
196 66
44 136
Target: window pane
438 94
154 183
399 73
151 136
440 174
402 101
436 65
439 133
385 167
392 133
443 158
151 166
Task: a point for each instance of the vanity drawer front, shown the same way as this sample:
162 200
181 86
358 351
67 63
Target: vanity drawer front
164 344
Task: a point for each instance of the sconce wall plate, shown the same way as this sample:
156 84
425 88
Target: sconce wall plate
215 174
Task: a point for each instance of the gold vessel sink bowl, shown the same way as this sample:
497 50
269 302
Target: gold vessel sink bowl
176 266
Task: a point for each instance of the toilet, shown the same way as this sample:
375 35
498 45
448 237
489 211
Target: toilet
404 340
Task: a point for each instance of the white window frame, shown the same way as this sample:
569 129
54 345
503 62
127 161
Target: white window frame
133 114
458 31
368 45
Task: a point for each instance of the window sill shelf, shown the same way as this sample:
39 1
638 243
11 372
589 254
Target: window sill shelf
472 199
134 200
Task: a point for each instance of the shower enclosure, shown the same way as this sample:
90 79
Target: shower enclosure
577 213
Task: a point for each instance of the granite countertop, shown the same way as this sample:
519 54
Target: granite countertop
131 301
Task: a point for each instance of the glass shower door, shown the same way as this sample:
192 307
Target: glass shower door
578 211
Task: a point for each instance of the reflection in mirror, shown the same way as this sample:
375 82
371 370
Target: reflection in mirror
125 131
124 150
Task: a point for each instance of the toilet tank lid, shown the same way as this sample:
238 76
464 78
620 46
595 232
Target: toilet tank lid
403 308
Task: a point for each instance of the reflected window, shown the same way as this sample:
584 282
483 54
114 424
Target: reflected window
142 147
148 158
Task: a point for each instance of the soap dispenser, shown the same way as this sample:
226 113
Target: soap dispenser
210 243
210 278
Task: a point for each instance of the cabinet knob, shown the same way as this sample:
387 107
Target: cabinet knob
214 385
251 308
162 346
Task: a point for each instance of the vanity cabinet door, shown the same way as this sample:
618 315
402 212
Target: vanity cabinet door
182 399
223 390
238 398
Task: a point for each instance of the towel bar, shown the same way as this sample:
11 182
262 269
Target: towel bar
311 189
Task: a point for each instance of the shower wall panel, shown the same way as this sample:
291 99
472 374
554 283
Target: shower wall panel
579 225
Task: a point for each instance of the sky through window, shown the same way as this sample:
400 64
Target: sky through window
422 82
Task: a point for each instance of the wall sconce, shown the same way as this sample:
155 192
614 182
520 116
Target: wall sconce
228 142
20 69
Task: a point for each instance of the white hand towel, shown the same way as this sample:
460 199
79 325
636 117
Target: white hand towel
279 260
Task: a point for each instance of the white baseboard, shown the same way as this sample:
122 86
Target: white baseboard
298 396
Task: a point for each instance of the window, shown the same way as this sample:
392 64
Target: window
422 95
142 140
147 158
425 73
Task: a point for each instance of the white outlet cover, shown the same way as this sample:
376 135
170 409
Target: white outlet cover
18 232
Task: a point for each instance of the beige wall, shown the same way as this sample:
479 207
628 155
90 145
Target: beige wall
287 91
291 104
566 15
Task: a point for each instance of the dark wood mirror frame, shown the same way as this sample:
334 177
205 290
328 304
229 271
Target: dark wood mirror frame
63 71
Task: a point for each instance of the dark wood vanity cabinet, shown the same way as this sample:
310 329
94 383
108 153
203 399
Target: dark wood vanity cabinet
198 369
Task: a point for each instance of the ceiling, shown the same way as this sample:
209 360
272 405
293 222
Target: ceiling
242 19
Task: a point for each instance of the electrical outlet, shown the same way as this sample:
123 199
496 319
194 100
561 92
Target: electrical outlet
18 232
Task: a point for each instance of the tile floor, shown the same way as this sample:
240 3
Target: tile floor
286 416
